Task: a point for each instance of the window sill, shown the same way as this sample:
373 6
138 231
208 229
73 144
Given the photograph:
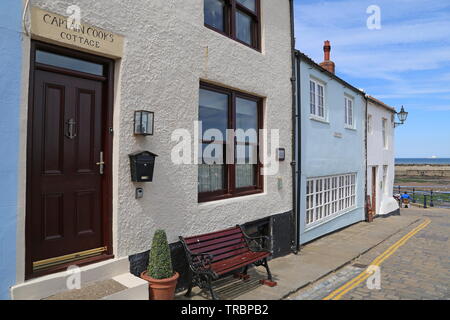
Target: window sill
318 119
350 128
328 219
214 200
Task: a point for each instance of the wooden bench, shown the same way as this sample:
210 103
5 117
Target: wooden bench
215 254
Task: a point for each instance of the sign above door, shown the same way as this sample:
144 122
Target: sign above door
51 26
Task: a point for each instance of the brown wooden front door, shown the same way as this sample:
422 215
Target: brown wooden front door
374 190
66 177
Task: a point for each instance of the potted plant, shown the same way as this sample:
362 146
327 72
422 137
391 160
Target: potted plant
160 275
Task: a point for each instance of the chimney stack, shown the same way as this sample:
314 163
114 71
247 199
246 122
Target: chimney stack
327 64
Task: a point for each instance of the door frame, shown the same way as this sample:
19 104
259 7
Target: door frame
107 139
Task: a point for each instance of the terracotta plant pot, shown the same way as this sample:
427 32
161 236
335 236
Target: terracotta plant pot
161 289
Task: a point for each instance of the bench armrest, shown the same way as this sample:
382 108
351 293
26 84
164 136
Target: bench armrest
256 243
200 261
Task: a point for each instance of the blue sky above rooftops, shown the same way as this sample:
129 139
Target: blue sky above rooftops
406 62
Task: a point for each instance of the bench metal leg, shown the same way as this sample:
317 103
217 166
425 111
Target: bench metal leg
243 276
211 290
245 270
269 282
191 284
266 265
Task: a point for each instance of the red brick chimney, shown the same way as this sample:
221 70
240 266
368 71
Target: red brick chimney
327 63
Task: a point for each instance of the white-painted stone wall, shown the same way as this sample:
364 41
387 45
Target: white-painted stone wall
378 156
168 50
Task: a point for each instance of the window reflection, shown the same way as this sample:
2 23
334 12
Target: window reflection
244 27
250 4
214 13
60 61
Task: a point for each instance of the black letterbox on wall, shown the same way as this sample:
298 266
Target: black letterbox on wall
142 164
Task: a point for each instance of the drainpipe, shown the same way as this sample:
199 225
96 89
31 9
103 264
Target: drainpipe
298 144
294 164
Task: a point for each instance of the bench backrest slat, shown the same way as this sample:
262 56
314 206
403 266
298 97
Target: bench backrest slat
230 254
211 236
227 248
202 246
221 245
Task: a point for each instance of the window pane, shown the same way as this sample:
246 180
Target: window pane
346 110
247 142
244 27
60 61
350 112
214 13
312 97
247 119
213 111
211 177
250 4
245 175
320 100
384 133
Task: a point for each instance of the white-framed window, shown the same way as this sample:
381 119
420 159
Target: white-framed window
329 196
349 118
369 124
317 98
384 132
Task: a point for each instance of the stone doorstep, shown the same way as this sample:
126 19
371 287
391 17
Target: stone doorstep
295 272
122 287
108 279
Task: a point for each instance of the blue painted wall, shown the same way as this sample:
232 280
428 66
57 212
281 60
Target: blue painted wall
10 90
323 154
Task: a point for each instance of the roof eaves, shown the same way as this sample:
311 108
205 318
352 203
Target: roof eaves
303 56
381 104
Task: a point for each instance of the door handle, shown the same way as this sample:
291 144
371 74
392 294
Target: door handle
101 163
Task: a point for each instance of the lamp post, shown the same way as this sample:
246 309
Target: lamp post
402 116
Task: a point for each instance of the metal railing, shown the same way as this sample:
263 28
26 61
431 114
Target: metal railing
425 198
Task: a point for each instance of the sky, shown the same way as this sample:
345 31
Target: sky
405 62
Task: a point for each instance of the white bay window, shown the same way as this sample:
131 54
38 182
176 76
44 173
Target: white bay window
329 196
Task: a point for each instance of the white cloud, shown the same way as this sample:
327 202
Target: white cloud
409 57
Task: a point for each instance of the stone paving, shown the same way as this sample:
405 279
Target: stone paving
315 261
420 269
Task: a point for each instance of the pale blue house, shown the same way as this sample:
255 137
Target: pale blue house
10 66
330 149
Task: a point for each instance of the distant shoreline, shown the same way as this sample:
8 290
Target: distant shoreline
422 161
422 164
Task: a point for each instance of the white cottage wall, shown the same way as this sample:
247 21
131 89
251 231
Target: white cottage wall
379 156
168 51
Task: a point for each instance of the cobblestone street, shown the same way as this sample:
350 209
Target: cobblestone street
418 269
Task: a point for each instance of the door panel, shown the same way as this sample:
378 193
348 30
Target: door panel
53 107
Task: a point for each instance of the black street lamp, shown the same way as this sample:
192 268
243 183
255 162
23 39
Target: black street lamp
402 116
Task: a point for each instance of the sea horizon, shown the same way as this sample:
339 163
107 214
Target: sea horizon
422 160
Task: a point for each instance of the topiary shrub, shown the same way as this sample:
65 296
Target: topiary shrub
160 261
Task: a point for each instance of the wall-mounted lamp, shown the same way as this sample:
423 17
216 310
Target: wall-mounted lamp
144 123
402 116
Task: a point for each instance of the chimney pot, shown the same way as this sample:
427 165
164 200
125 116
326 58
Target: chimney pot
327 63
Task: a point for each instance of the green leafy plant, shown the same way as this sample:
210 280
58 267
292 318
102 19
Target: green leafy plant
160 261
